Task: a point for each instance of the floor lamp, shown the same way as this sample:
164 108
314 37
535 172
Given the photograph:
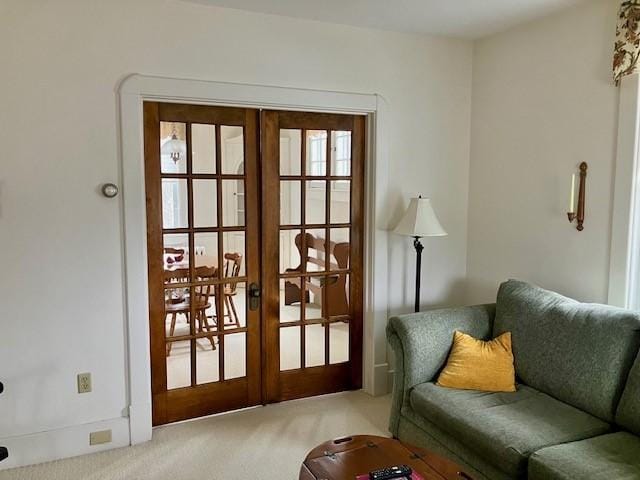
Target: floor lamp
419 221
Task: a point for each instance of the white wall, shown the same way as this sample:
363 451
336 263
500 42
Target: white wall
543 101
61 287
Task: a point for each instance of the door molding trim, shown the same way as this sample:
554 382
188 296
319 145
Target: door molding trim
625 231
132 91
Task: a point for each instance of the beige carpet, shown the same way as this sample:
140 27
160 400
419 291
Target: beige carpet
266 443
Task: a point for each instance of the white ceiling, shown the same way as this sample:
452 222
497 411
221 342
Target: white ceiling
460 18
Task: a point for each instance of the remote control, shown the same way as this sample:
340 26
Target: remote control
397 471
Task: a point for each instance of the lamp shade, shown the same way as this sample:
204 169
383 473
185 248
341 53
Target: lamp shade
420 220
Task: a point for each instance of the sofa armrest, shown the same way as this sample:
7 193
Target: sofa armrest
421 343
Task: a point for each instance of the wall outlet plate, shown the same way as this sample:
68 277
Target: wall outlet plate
84 382
102 436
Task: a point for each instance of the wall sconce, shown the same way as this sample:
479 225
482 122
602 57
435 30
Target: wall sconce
572 214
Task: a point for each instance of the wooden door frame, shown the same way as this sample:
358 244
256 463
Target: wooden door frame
132 92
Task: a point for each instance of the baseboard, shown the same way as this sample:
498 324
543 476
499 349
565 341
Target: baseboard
62 443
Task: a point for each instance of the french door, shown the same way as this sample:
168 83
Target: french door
312 178
254 260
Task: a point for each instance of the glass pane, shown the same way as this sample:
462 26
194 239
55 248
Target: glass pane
233 210
341 153
337 292
205 213
235 355
338 342
176 314
232 141
340 201
203 148
340 248
235 309
176 267
175 257
219 307
314 345
178 364
173 147
174 203
315 248
314 287
233 244
205 300
241 208
206 245
316 202
207 360
176 302
290 151
290 348
176 298
290 299
176 247
290 202
290 250
316 157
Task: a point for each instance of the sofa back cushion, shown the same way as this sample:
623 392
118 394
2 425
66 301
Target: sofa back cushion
578 353
628 414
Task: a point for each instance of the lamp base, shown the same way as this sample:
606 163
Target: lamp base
419 247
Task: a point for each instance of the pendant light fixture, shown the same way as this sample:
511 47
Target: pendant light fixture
174 147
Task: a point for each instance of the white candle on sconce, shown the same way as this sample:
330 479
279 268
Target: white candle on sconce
572 200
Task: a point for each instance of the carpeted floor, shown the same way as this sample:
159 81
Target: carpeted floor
266 443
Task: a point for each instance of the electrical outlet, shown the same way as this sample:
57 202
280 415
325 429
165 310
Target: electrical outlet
84 382
103 436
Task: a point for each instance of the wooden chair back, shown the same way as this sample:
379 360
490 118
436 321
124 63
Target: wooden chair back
177 275
232 264
204 274
310 252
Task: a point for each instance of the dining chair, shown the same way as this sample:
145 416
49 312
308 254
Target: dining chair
232 264
202 294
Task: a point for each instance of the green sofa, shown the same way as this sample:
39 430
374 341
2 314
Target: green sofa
576 411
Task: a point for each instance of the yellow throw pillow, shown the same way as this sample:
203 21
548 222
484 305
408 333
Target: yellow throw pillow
478 365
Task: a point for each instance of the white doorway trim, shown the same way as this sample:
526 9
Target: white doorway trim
135 89
624 263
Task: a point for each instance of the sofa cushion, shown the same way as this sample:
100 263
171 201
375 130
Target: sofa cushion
505 428
616 455
628 414
578 353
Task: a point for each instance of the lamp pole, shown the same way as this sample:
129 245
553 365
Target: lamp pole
419 247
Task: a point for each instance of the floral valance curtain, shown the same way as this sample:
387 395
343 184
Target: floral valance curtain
627 46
